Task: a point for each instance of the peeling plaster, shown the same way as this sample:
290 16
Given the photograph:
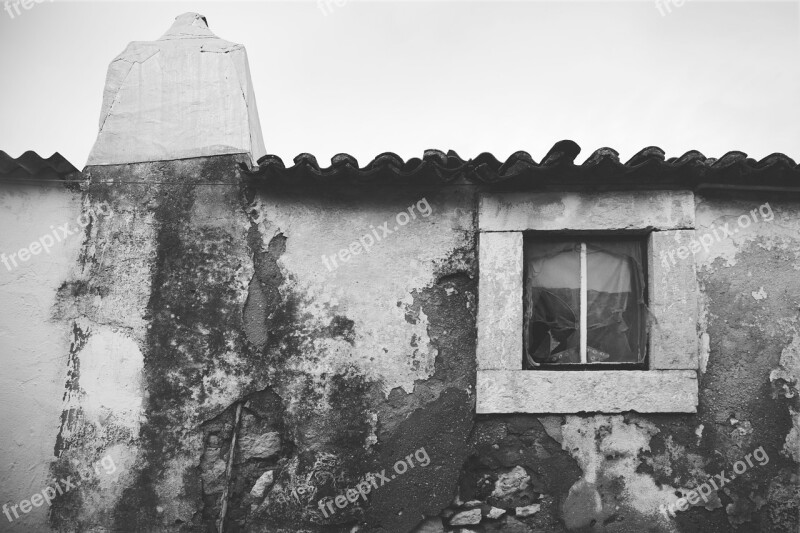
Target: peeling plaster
608 448
777 231
110 380
760 294
374 290
786 382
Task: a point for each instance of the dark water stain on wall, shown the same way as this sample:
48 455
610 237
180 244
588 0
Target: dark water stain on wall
334 450
71 418
195 319
737 407
441 407
299 442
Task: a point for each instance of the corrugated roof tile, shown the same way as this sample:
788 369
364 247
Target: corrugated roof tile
649 168
32 165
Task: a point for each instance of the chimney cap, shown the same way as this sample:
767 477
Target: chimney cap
189 26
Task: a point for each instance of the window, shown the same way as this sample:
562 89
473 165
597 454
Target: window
584 302
576 313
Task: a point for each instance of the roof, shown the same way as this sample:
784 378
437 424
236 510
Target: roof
648 169
32 165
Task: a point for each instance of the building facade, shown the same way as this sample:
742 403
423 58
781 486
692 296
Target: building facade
225 342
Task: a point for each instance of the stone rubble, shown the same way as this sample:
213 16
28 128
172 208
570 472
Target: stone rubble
263 483
528 510
465 518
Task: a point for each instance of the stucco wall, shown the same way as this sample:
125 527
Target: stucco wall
203 311
33 347
200 291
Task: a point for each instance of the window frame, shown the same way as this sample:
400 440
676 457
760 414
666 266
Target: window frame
669 384
640 239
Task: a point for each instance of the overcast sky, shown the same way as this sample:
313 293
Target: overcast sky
371 77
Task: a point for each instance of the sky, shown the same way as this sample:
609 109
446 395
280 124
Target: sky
366 77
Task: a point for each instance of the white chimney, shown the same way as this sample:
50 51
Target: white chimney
188 94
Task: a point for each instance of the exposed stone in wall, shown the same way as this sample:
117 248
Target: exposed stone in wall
562 474
261 451
612 473
337 368
514 464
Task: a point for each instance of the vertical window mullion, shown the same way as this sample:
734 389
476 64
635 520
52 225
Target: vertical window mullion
584 304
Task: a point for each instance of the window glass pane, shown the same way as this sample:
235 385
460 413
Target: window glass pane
552 293
616 311
615 297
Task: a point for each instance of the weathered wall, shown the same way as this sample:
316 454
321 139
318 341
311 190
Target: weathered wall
33 347
153 308
612 473
751 285
203 309
202 293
